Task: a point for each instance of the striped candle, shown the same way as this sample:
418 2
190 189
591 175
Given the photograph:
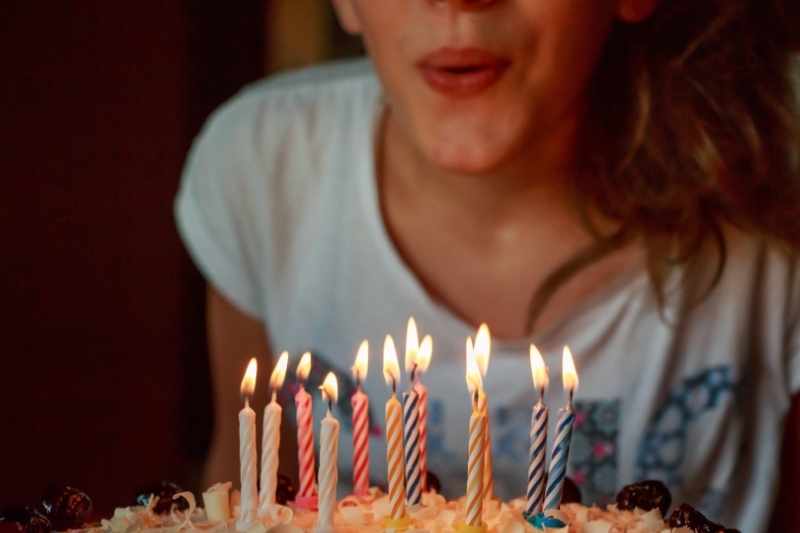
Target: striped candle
488 470
360 403
538 455
558 461
422 394
394 457
411 446
305 444
560 456
477 440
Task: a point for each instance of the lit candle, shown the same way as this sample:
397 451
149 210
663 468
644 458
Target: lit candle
560 456
538 437
328 459
483 350
394 437
307 492
423 362
477 441
248 469
271 439
411 419
360 403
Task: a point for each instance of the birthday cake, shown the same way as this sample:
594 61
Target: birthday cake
640 508
270 503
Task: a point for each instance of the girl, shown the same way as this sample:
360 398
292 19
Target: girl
619 176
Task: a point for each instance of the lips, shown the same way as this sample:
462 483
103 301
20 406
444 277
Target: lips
462 72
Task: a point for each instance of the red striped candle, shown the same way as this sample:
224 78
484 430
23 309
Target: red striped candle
307 490
360 403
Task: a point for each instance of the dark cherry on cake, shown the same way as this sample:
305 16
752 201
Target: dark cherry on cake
26 519
688 516
285 491
570 493
645 495
66 507
165 491
433 483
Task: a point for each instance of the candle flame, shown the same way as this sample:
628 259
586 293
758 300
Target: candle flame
362 361
279 372
569 375
304 366
391 368
425 354
483 348
330 388
412 345
248 386
474 381
538 369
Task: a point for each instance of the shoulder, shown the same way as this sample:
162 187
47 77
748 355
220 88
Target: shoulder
298 102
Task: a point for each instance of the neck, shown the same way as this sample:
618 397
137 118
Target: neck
533 183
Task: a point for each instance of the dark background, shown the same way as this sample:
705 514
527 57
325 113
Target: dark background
105 374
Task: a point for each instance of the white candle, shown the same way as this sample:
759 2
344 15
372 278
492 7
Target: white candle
247 452
271 440
328 458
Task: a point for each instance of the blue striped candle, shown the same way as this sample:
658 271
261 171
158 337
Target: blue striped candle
411 445
558 462
538 457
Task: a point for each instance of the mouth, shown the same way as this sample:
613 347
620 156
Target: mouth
462 72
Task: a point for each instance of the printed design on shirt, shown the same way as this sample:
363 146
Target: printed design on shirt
666 442
593 455
593 452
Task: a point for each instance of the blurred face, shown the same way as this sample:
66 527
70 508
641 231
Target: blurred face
472 83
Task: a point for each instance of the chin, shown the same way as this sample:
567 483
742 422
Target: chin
467 156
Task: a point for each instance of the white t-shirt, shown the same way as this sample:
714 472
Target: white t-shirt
279 209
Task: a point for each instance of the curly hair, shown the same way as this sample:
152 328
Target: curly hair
692 124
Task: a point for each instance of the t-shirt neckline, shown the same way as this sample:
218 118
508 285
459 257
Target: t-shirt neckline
367 174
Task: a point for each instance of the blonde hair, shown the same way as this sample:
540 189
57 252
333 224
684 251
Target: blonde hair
693 124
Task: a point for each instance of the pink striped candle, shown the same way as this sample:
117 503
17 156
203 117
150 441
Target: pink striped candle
360 403
307 491
423 362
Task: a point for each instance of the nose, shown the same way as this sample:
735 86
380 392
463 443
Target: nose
467 5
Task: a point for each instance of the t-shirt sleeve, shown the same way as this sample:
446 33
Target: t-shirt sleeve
214 207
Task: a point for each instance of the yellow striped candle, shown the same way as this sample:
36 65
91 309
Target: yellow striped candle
394 433
477 438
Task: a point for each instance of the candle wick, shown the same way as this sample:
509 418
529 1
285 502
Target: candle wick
414 373
247 402
571 396
330 405
274 396
394 386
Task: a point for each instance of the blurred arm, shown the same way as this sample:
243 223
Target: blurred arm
233 338
786 517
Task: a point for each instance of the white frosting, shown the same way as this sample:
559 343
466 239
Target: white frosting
365 514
